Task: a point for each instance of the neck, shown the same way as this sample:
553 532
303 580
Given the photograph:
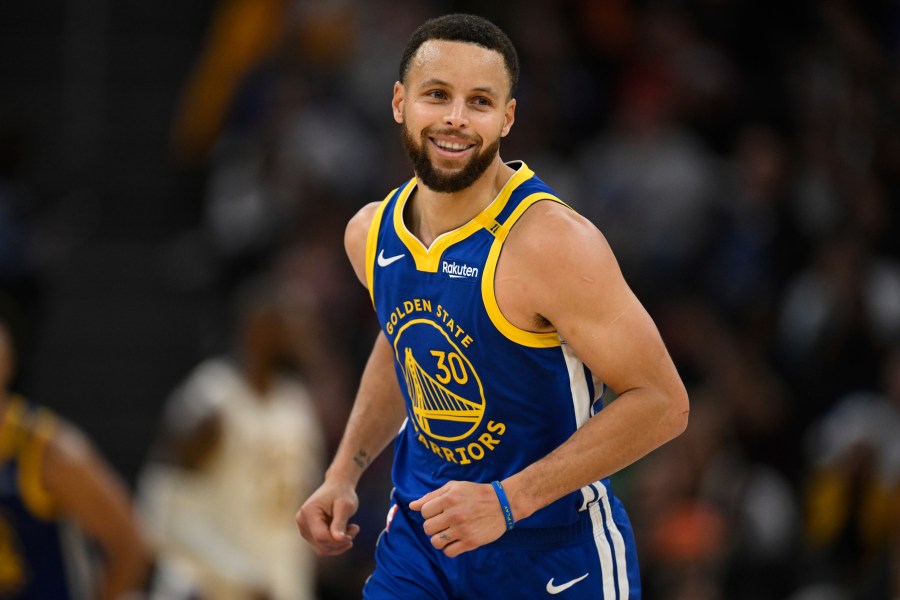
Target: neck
430 214
257 371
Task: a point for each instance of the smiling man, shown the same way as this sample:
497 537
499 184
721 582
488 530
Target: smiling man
504 318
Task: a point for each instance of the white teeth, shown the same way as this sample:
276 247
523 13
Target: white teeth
451 146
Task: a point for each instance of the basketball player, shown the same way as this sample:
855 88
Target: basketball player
55 491
504 316
241 445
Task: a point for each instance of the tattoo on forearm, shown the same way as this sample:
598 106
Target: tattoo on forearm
362 459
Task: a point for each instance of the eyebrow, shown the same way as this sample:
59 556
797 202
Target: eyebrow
439 82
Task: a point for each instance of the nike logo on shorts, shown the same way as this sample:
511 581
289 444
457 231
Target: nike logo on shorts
556 589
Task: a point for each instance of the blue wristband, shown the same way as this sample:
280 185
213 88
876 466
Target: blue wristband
504 505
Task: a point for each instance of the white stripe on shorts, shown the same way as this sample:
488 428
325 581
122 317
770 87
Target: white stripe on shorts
612 559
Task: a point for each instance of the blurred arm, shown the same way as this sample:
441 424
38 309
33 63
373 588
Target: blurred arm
87 490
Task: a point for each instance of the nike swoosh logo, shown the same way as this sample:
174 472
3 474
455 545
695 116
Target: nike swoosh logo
555 589
383 262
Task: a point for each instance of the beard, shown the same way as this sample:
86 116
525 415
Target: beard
437 180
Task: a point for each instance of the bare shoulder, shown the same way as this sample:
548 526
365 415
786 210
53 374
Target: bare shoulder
68 449
562 264
554 238
355 238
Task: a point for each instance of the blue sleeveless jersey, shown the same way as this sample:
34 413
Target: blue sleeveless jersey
484 398
32 561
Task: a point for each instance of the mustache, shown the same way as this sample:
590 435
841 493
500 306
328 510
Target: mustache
456 133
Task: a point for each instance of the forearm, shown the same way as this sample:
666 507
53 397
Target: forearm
378 412
124 573
635 424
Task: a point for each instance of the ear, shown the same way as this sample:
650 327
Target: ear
397 101
509 117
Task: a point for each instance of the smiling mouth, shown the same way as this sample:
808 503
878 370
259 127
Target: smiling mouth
455 147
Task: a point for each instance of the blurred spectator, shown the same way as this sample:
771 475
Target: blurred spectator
269 116
241 444
852 493
648 183
752 246
836 317
242 33
66 524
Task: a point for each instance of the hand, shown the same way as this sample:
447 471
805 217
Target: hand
461 516
322 519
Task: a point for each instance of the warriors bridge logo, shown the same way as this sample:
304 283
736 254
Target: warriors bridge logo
447 402
446 393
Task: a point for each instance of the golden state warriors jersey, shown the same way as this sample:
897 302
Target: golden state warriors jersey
484 398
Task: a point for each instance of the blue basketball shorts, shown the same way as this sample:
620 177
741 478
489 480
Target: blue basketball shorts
593 559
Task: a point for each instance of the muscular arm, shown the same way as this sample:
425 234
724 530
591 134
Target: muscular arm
88 491
589 303
377 414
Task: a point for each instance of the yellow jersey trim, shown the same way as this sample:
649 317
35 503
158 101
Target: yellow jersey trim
531 339
372 245
31 462
428 259
12 428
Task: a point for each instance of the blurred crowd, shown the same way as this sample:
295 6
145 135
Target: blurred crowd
742 158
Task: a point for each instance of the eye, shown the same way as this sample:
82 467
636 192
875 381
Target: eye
482 101
437 94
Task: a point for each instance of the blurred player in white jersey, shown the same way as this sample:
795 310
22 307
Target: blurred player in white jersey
241 442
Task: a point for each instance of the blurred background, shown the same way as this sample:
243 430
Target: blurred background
742 157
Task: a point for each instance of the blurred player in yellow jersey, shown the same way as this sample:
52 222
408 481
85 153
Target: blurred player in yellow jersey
57 495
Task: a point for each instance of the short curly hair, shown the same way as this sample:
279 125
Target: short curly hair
464 28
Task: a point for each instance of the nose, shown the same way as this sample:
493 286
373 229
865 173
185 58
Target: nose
457 114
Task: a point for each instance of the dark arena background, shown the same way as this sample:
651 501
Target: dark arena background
741 157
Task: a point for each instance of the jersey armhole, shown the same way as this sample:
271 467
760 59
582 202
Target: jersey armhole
34 495
372 244
520 336
12 428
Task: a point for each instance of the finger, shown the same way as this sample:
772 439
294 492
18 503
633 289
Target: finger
418 504
436 506
343 510
455 548
314 525
301 524
442 540
314 528
436 524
